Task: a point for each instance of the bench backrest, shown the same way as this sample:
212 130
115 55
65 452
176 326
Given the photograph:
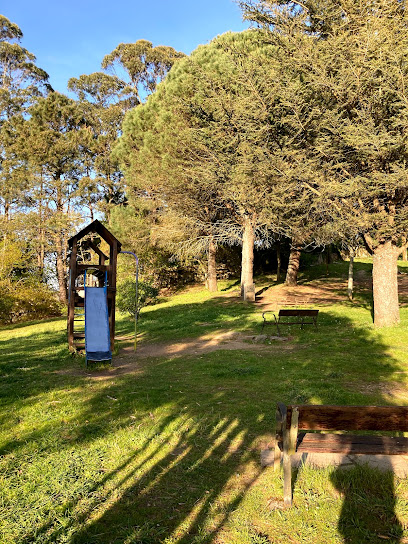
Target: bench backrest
297 313
351 418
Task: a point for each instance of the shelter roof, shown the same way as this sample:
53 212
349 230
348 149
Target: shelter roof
97 227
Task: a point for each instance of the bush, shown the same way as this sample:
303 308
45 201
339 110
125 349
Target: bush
21 301
125 300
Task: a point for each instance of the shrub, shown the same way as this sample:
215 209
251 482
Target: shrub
24 300
147 294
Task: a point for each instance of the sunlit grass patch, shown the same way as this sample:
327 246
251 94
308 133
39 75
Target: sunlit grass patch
169 452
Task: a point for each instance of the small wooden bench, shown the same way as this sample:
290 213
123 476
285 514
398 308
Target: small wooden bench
291 419
292 316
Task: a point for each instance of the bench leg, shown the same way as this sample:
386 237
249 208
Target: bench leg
289 448
277 456
287 480
277 324
280 415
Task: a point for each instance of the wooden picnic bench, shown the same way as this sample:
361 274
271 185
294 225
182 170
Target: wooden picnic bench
292 419
292 316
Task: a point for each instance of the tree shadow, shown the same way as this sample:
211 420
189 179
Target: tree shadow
236 283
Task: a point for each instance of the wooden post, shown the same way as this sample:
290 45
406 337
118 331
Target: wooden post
279 432
293 431
113 257
289 447
71 295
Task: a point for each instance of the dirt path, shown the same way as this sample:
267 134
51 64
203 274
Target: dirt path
127 361
324 291
320 291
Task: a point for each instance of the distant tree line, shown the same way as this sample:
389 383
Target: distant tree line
56 163
294 131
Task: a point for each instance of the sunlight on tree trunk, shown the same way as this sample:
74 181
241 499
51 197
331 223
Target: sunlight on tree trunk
385 285
350 284
293 266
212 267
247 270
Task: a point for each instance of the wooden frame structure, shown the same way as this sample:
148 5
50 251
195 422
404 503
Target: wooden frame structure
76 339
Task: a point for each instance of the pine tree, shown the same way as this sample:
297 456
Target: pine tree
199 143
141 65
351 60
105 100
21 83
52 142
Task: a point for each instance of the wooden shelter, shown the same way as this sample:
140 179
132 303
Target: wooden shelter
103 272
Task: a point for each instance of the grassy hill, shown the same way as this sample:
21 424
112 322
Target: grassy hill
165 446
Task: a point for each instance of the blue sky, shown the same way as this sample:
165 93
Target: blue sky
70 37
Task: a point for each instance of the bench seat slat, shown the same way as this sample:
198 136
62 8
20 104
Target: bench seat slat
351 418
296 323
351 444
298 313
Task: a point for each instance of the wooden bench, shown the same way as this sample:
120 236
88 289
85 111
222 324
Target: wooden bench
293 316
292 419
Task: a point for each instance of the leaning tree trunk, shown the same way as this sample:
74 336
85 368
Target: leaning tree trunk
212 267
385 285
247 268
293 266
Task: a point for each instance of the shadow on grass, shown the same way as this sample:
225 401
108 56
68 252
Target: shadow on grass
368 511
197 424
230 286
192 320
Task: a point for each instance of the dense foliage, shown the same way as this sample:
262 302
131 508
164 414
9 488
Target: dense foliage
292 133
126 299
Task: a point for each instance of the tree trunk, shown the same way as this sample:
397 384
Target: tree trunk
279 261
41 234
6 210
293 266
247 268
62 287
405 254
328 259
385 285
41 253
350 278
212 267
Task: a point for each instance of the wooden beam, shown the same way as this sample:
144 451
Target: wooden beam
351 418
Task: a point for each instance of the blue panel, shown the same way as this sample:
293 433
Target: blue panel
97 334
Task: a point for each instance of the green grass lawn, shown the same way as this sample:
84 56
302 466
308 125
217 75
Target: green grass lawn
170 452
